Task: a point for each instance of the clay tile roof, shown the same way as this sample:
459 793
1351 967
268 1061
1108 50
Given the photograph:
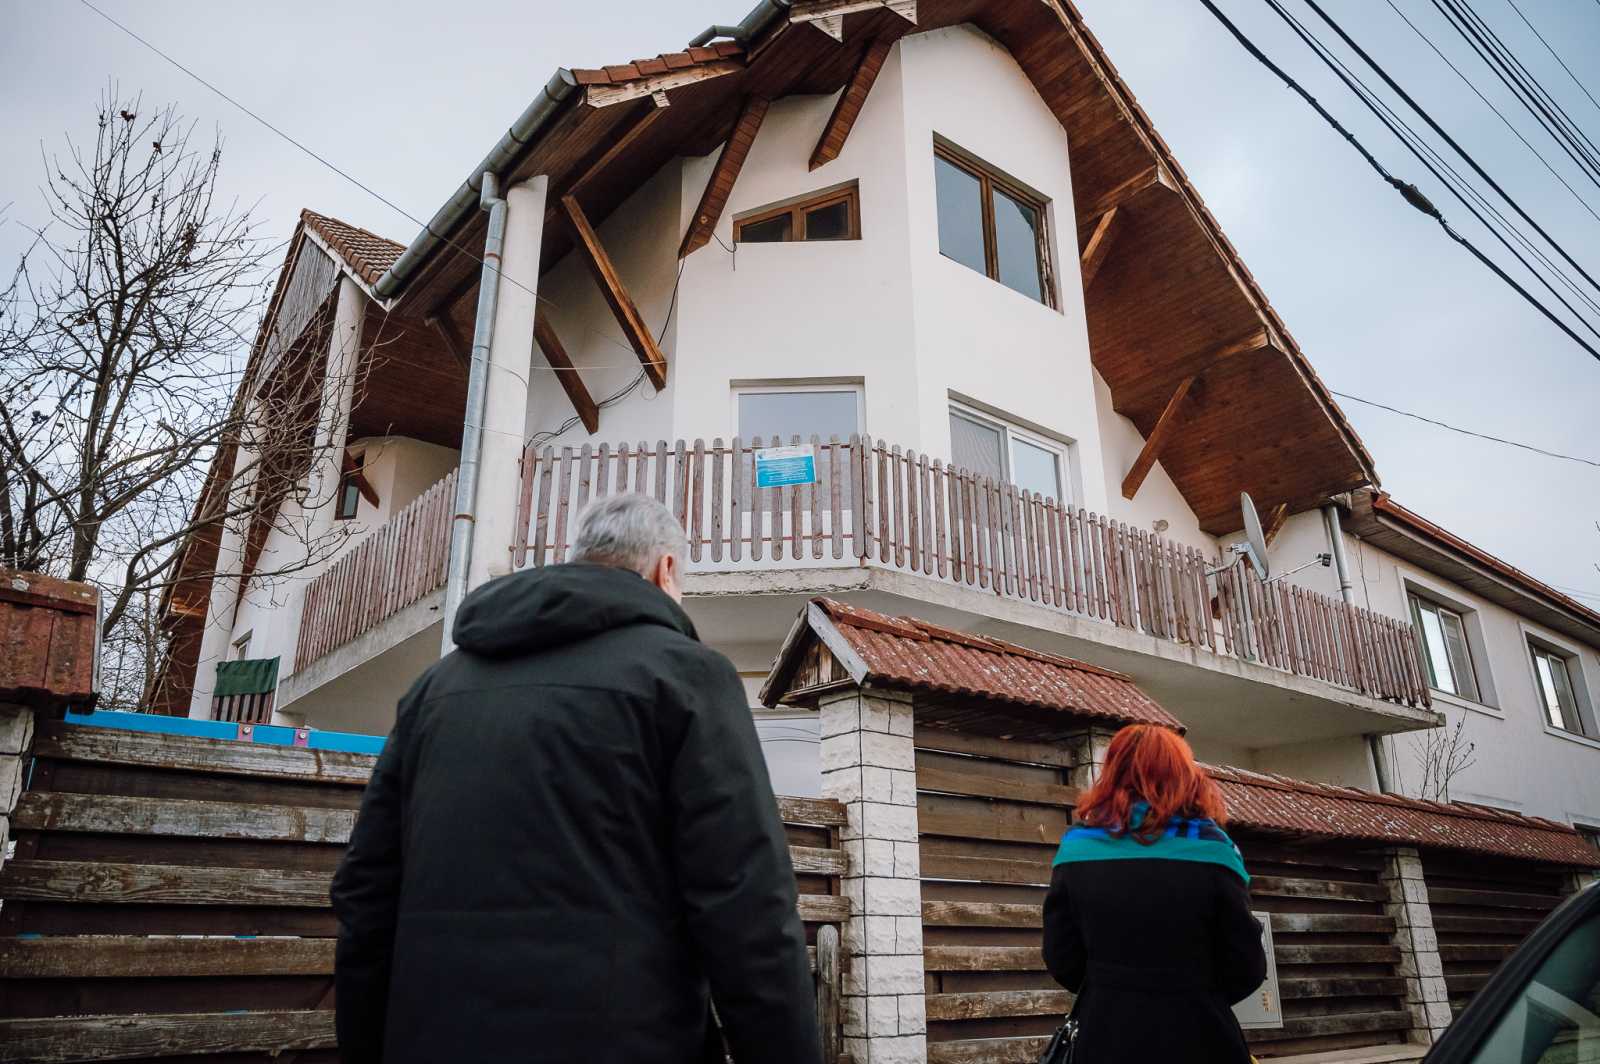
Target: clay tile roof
367 254
642 68
1279 804
909 653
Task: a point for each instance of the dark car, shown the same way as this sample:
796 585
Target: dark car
1543 1005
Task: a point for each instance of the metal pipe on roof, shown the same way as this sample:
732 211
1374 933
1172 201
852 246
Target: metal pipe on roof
466 501
501 156
747 28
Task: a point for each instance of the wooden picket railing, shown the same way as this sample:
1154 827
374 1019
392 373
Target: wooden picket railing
396 565
878 505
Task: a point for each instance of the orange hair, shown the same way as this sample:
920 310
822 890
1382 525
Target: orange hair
1149 763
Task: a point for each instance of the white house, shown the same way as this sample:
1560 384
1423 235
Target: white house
943 241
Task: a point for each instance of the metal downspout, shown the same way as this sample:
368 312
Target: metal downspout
1335 532
753 23
461 525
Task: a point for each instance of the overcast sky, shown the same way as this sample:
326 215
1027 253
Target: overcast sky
407 95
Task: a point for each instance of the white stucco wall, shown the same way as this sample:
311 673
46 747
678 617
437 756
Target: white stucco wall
1521 762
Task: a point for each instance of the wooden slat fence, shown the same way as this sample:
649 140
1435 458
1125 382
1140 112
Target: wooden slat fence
244 709
129 842
1482 910
397 564
990 813
879 505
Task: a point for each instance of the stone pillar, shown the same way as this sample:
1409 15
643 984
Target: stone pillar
1088 756
868 763
1426 997
216 634
505 411
334 408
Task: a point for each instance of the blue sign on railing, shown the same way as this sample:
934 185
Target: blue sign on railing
780 467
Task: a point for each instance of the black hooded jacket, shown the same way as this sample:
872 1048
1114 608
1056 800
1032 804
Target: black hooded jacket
569 841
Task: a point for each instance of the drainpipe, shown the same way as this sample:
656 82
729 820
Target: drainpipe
1331 525
753 23
461 525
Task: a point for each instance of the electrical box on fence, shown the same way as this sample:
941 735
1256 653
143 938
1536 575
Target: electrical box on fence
1263 1009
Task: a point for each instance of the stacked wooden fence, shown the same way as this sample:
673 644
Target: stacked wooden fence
878 505
1482 910
131 844
990 814
397 564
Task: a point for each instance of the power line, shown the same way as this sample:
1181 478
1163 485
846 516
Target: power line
1448 139
1584 89
1408 191
1466 432
1455 184
1498 113
348 177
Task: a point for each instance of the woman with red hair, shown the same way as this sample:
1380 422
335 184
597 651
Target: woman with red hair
1148 916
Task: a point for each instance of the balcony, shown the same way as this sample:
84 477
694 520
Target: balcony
899 531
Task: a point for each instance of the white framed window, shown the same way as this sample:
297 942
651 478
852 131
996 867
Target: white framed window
803 408
241 646
1443 634
991 446
1559 694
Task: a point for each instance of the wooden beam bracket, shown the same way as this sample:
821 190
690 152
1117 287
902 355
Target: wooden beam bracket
615 294
828 15
566 373
720 186
850 102
1157 439
1151 177
611 95
1099 244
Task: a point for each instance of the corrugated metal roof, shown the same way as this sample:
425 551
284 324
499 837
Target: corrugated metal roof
368 254
905 652
1278 803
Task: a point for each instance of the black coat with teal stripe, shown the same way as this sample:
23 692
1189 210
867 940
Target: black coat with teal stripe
1159 941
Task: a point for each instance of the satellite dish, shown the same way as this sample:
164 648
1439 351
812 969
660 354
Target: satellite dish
1254 547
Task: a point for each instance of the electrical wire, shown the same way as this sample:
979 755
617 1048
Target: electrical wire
1443 134
1583 88
1408 191
1434 162
469 253
1498 113
1494 59
1466 432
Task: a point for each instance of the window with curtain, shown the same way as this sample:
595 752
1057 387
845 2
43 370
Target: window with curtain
991 448
1556 693
991 225
1443 636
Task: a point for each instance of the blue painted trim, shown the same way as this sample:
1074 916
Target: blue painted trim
268 734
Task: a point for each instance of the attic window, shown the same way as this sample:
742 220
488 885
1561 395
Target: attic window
991 224
834 214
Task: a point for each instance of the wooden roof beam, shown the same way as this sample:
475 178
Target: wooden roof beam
723 175
1148 178
615 293
442 324
828 15
606 157
1099 244
1156 440
544 334
638 88
850 102
1275 522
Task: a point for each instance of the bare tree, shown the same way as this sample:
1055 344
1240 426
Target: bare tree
123 346
1443 754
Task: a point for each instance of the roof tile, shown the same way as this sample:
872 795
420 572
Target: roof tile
904 651
366 253
1275 803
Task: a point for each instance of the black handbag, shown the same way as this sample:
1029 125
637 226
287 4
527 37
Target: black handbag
1062 1047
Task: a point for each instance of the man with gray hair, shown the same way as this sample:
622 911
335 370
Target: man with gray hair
569 848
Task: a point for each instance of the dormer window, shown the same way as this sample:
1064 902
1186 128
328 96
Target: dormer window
833 214
991 224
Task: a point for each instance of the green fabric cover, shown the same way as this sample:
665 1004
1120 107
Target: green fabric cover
252 676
